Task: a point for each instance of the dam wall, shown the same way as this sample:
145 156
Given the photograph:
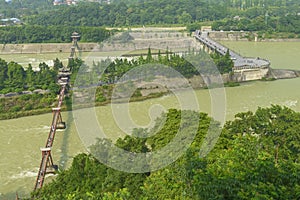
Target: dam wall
250 74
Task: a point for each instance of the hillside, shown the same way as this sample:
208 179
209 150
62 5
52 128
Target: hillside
255 157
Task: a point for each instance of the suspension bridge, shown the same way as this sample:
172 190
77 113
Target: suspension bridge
47 165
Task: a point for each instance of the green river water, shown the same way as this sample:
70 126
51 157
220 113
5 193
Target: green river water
21 138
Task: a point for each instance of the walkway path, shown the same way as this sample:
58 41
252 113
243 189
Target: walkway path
47 161
239 61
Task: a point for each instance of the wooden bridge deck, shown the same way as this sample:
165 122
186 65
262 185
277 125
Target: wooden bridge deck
47 161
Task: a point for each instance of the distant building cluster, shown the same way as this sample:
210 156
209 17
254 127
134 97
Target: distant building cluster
9 21
74 2
68 2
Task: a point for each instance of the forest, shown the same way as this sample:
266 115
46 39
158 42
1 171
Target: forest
142 12
119 67
50 34
43 22
255 157
14 78
279 13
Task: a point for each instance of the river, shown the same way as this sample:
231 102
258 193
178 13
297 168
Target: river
21 138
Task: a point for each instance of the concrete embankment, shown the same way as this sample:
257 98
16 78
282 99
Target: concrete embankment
284 73
42 48
142 40
230 36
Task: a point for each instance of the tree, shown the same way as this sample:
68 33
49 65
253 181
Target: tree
30 76
15 75
246 163
149 56
57 65
3 73
224 63
185 18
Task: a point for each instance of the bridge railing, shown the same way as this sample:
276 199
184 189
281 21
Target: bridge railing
240 62
46 152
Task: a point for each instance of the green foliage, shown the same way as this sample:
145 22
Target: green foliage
117 68
231 84
224 63
288 23
253 15
25 105
256 157
122 194
128 13
23 8
31 92
48 34
14 78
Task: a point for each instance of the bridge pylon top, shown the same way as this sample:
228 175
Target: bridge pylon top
75 35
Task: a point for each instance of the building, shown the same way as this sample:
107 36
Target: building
206 28
63 2
10 21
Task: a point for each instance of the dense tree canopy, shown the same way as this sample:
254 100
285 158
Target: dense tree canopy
43 22
117 68
288 23
14 78
23 8
48 34
255 15
256 157
30 91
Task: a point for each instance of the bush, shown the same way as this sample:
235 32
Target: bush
28 107
25 97
16 108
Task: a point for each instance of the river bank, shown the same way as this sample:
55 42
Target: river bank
171 38
40 104
150 92
144 90
22 137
